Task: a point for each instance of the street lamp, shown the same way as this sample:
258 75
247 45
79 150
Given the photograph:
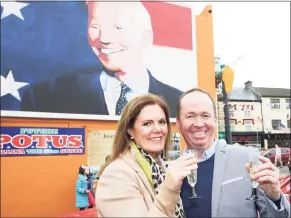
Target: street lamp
227 80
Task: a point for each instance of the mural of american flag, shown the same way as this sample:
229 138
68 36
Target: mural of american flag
36 29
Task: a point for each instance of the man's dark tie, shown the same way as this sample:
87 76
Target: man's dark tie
122 101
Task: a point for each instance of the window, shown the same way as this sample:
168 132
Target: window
288 105
275 103
247 113
272 152
276 124
288 124
284 150
248 124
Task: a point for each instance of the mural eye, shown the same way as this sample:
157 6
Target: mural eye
118 27
94 26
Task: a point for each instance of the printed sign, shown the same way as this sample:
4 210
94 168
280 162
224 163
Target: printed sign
24 141
99 146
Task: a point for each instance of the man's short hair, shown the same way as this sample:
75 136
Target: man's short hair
195 90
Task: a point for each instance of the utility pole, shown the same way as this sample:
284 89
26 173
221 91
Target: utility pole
227 76
228 135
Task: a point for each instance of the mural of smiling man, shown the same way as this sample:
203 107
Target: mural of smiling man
118 33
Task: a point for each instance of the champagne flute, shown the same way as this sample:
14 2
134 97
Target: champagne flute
254 161
192 177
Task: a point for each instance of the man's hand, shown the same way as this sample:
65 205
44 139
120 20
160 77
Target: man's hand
267 175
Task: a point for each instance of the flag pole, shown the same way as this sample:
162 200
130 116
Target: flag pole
233 62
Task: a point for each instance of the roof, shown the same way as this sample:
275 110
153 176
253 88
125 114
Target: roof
238 93
272 92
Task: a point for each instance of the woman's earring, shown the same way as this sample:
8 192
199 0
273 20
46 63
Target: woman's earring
131 137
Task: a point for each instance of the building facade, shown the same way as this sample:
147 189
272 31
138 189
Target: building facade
245 117
276 116
259 116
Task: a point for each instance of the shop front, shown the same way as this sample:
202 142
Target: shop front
254 139
281 139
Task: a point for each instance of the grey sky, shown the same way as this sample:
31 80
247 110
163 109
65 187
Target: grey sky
258 30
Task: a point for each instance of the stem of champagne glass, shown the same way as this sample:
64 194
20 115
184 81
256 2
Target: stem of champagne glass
254 192
194 191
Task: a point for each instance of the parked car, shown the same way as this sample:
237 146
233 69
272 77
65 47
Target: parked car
285 155
289 163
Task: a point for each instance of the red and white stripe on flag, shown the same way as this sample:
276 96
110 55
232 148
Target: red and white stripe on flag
174 51
284 129
172 24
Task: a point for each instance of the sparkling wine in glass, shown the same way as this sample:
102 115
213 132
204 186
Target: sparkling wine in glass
192 177
254 161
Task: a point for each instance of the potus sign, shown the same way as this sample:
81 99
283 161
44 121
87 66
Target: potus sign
18 141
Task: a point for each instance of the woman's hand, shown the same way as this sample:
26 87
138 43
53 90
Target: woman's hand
179 169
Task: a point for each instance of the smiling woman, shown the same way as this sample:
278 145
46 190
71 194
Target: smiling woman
144 118
150 129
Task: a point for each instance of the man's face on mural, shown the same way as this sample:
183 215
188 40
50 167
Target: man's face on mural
116 33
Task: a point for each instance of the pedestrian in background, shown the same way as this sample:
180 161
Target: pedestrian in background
82 190
91 188
278 156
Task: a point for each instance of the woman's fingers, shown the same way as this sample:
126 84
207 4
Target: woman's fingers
187 160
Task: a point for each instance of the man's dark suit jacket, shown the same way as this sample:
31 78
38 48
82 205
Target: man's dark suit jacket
81 93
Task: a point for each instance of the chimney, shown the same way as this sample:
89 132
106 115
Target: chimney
248 84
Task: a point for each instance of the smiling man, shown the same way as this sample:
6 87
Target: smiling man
118 33
223 173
